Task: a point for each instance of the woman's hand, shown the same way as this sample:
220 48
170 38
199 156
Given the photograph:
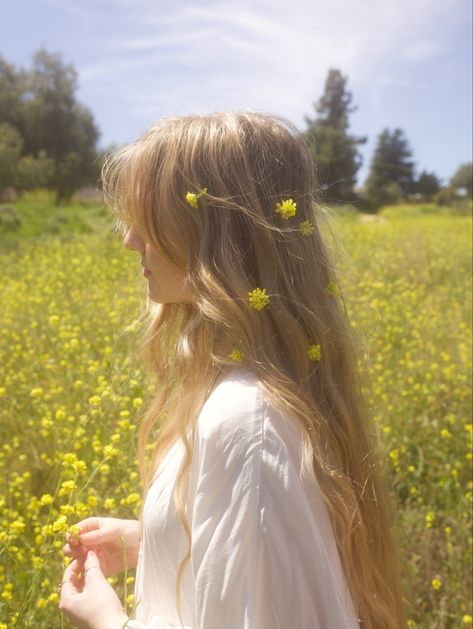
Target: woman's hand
87 599
116 541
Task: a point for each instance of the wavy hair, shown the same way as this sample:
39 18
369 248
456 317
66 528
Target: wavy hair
230 244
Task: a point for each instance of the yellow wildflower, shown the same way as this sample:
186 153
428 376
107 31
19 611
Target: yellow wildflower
258 299
306 228
46 499
332 288
286 208
436 584
467 619
313 352
236 355
192 197
109 503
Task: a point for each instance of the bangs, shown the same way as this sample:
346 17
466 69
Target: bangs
130 179
144 187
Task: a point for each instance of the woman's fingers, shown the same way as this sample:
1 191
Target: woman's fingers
71 581
74 551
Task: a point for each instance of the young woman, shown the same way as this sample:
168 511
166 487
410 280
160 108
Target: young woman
265 505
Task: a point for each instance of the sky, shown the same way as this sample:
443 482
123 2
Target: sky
408 63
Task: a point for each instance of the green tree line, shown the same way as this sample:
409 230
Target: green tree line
392 174
49 140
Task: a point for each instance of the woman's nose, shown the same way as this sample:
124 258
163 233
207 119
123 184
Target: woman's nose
132 240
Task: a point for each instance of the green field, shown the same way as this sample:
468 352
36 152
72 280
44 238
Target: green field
71 391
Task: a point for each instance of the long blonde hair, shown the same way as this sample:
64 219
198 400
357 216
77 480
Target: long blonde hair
230 244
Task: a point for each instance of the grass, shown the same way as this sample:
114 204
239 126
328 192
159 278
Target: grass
71 396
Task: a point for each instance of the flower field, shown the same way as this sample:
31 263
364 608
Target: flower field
71 394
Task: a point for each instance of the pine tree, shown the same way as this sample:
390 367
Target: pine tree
392 172
336 155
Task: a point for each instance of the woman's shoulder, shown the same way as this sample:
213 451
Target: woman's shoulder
235 400
238 405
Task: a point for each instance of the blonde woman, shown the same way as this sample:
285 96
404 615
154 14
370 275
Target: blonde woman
265 505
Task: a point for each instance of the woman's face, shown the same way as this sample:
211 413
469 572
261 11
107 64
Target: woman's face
166 283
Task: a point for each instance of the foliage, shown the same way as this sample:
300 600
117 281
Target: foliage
71 393
463 178
427 185
58 134
11 145
391 174
335 151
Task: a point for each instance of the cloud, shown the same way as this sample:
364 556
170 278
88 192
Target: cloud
262 54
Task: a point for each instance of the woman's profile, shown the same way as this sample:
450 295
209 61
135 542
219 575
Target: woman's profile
264 502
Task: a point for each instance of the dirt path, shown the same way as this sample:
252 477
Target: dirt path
367 218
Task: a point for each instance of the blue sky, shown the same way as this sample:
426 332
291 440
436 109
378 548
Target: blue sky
408 62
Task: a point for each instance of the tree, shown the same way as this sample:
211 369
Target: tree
56 123
34 172
11 145
463 178
390 164
11 93
59 135
336 155
427 185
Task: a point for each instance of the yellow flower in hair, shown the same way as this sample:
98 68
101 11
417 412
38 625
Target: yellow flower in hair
192 197
313 353
237 355
306 227
258 299
286 208
332 288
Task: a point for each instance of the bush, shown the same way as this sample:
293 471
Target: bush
9 219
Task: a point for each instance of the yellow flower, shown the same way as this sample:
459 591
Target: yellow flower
74 531
258 299
236 355
332 288
436 584
313 352
192 197
306 227
286 208
467 619
46 499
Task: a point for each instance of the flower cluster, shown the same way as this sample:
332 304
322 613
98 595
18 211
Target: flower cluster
306 228
258 299
313 352
236 355
192 198
286 208
332 288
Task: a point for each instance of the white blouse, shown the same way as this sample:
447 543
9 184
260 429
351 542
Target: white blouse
263 551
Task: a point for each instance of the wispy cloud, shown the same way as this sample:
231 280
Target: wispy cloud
268 55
